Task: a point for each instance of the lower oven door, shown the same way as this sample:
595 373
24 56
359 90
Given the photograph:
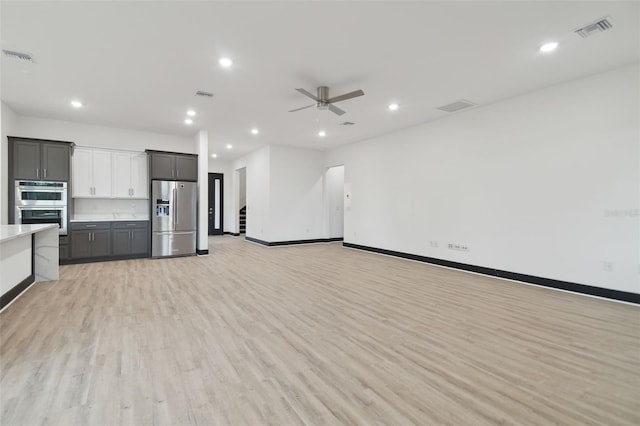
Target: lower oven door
43 215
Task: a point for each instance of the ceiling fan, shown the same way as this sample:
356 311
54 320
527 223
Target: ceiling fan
323 101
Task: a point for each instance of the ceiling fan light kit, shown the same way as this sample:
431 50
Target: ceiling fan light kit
324 102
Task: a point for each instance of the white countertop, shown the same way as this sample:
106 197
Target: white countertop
11 232
108 217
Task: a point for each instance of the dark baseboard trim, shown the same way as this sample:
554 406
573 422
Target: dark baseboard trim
546 282
6 298
202 252
235 234
293 242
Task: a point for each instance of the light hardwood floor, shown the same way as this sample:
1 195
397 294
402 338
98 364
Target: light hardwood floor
315 335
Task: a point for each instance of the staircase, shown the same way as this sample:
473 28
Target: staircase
243 219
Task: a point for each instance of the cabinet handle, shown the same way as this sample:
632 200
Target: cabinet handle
177 173
172 172
45 173
37 172
91 226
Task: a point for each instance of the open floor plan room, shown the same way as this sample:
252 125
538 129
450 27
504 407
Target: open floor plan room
316 335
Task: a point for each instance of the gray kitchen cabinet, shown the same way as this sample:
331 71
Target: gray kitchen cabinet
130 238
64 252
90 239
186 167
162 166
39 160
26 160
55 161
101 241
173 166
80 244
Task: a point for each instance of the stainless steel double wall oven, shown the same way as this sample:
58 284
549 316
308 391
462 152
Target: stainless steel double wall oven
38 202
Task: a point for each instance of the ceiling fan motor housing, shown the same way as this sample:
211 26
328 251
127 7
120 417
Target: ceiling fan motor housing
323 95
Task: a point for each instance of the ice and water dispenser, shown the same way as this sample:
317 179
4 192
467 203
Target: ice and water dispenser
162 208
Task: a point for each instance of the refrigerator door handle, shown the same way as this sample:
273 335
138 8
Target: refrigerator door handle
175 204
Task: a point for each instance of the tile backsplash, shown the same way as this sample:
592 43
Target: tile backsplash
94 206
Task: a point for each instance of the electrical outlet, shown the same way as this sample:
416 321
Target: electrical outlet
458 247
607 266
433 244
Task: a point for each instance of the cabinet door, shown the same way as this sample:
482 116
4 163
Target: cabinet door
101 174
64 252
82 174
26 160
186 167
55 162
162 166
121 242
139 176
121 172
101 243
140 241
80 244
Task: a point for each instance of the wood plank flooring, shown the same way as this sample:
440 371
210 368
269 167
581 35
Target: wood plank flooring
311 335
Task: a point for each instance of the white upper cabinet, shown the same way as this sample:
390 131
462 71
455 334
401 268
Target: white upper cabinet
100 173
91 173
130 175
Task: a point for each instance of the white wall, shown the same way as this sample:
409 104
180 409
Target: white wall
296 199
102 136
334 202
544 184
7 128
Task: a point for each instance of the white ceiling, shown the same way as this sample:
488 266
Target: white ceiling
138 64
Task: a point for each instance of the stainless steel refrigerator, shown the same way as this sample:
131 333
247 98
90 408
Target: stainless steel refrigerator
173 218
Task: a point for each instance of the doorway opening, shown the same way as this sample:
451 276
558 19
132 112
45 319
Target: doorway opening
216 200
241 211
334 202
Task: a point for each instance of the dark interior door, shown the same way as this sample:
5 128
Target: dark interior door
216 184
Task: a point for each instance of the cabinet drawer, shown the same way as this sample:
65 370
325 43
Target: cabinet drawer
139 224
79 226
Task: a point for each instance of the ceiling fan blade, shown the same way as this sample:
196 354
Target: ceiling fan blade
304 107
346 96
334 109
309 94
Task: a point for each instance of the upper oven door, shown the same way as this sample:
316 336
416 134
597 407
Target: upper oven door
41 193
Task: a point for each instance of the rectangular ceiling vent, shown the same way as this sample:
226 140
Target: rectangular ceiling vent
17 55
456 106
596 27
204 94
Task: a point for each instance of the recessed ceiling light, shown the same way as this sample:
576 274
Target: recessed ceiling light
322 133
393 107
191 113
229 146
548 47
214 155
254 131
225 62
76 104
188 120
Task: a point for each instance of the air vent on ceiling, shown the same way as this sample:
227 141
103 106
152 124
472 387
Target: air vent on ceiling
347 123
204 94
17 55
598 26
456 106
